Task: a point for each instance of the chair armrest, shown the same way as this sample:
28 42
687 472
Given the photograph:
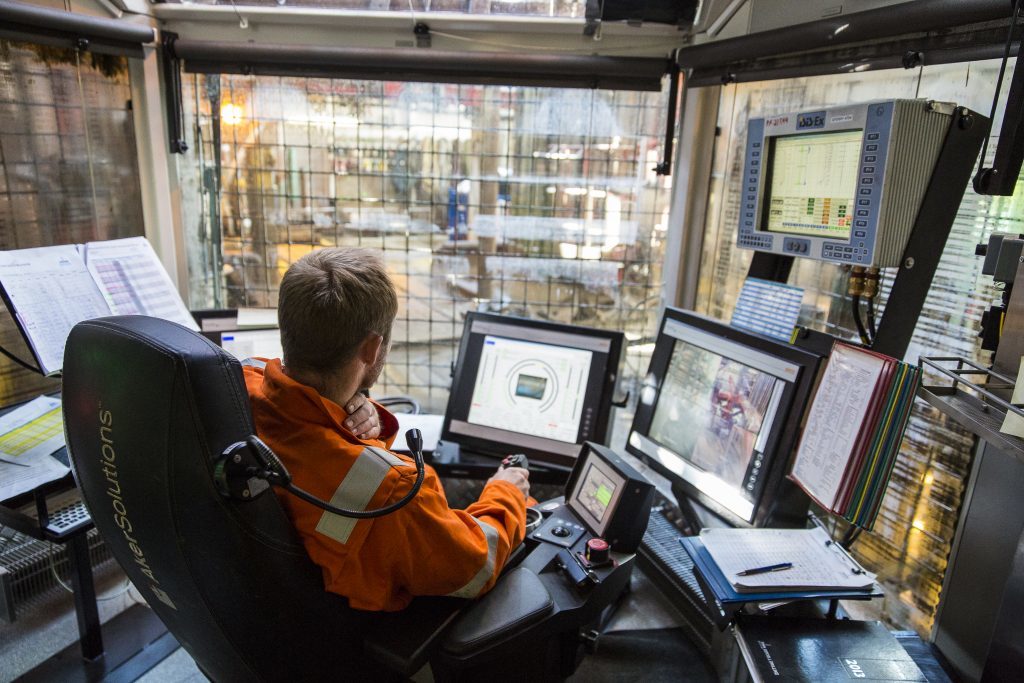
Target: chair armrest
520 599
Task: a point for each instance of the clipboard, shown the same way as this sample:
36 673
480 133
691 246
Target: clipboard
726 602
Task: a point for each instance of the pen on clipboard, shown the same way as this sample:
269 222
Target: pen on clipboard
13 462
782 566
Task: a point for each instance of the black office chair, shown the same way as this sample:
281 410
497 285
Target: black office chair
148 407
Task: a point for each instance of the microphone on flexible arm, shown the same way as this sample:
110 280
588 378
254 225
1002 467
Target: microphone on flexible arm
241 481
414 441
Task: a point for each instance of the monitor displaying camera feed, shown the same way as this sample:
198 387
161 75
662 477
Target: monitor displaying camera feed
531 386
727 407
715 412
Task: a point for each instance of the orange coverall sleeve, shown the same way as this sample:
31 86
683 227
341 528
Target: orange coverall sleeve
427 548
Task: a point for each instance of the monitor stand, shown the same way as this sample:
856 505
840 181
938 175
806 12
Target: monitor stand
451 460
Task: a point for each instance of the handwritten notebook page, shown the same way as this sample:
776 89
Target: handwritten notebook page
818 563
834 422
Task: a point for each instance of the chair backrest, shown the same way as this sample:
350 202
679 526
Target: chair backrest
148 405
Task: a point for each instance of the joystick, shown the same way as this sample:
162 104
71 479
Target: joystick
515 460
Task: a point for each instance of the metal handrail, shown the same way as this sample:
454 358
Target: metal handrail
958 376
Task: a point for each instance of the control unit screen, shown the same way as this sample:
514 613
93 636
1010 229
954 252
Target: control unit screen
715 412
596 493
530 388
811 184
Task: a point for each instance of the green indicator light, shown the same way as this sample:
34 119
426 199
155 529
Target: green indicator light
603 494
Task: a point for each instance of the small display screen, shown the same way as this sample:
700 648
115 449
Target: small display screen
530 388
715 412
596 493
811 184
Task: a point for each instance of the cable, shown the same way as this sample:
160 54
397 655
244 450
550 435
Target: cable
855 302
274 472
999 80
871 318
583 50
53 570
21 362
632 47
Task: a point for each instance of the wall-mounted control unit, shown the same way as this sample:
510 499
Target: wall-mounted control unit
841 184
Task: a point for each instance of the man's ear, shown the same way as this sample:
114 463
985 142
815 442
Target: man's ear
371 348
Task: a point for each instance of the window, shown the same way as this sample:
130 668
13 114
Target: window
537 202
911 540
68 165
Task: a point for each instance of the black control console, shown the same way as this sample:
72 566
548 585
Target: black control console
605 498
575 565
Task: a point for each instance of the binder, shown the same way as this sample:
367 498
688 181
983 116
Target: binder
853 432
727 601
802 649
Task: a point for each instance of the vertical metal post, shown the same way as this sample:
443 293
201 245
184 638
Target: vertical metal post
90 638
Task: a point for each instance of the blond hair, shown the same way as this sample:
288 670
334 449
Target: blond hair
330 301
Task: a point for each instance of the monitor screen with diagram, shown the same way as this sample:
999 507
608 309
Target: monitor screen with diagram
531 386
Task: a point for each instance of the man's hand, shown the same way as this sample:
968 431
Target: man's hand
517 476
363 420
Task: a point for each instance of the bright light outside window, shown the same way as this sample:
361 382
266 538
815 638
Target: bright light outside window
536 202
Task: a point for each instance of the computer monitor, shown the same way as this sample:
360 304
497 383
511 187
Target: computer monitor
531 386
244 344
841 184
718 414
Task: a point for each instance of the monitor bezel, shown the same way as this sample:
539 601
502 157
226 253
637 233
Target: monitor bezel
781 440
463 383
587 459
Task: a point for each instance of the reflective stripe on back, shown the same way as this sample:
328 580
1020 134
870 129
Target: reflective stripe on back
356 490
476 584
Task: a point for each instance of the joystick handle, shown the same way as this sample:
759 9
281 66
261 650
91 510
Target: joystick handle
515 460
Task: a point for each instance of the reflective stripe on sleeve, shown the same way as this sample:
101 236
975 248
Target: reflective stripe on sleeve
476 584
254 363
356 490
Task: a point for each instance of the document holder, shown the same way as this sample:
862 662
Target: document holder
725 602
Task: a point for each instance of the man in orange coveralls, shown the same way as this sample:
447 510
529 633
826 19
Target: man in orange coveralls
336 309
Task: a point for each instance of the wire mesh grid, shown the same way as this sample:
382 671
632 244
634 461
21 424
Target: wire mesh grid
68 166
537 202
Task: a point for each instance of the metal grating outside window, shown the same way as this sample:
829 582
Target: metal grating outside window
911 541
529 201
68 165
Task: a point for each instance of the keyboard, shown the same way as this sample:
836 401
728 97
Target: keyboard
669 567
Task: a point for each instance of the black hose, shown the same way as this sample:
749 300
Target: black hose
864 339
